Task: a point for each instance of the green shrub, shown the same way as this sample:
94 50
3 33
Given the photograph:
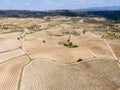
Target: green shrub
68 44
79 60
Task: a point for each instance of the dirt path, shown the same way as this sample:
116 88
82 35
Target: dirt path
92 53
110 49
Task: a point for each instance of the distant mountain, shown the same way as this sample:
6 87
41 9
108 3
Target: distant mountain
106 8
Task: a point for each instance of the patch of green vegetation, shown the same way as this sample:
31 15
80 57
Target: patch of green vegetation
57 35
114 30
72 33
47 19
3 27
112 36
75 19
115 21
68 44
34 27
76 25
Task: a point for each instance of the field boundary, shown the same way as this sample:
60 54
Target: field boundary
114 55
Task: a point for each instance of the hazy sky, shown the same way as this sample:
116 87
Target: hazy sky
55 4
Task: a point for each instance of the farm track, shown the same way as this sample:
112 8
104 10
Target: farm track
116 58
110 49
30 59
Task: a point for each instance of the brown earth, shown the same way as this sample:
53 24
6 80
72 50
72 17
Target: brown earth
52 66
115 44
10 72
89 75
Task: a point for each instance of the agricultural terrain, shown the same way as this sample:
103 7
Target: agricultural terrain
59 53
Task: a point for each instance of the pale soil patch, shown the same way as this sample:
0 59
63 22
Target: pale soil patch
10 35
44 35
99 19
9 44
11 54
82 38
92 35
10 73
36 35
66 26
90 46
98 46
52 50
64 55
44 25
88 75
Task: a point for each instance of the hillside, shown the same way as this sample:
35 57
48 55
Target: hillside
114 15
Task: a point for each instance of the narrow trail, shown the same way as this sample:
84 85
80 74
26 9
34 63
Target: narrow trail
110 49
22 48
114 55
30 59
9 50
92 53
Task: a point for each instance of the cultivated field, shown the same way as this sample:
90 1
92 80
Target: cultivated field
10 73
59 53
96 74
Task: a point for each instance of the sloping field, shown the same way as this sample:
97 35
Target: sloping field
51 50
64 55
97 46
34 56
10 73
88 48
115 45
10 35
11 54
8 44
89 75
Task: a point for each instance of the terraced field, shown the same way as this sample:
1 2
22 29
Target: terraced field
57 55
